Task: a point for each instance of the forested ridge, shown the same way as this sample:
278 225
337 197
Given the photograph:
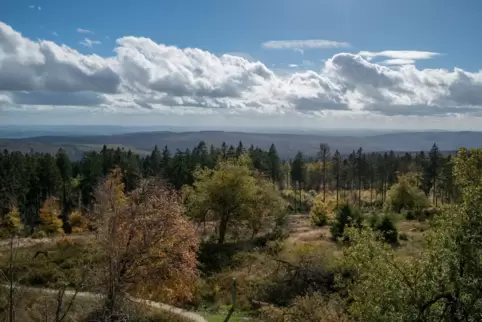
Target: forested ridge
27 180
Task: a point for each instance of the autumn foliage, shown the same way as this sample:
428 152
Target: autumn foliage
78 222
49 216
149 246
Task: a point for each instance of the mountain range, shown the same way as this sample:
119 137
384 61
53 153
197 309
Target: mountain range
287 144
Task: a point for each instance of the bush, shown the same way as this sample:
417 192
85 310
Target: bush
78 222
345 216
403 236
313 307
405 196
319 213
387 229
39 234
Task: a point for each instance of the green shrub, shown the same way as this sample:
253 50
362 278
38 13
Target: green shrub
39 234
387 229
404 195
345 216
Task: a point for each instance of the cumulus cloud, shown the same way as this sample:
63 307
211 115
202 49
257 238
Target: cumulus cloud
27 65
84 31
89 42
300 45
145 75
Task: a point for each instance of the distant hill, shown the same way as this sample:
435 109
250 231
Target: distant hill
287 144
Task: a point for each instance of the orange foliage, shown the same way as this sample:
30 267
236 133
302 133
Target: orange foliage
49 217
150 246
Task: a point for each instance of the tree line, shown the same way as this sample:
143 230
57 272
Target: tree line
27 180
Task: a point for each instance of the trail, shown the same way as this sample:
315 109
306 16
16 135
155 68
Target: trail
192 316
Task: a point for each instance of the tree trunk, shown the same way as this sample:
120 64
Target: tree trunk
223 226
11 290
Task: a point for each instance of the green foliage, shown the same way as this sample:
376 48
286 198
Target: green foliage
405 196
441 284
387 229
235 197
346 216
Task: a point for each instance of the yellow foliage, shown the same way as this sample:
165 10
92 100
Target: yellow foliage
12 223
49 217
78 222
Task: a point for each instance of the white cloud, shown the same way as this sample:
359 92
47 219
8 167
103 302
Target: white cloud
55 34
89 43
397 61
300 45
144 75
84 31
39 8
293 65
399 54
35 7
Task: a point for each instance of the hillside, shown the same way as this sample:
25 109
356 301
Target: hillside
287 144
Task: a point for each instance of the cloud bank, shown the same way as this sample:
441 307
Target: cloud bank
144 75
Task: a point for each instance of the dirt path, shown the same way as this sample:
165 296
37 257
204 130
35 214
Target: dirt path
26 242
192 316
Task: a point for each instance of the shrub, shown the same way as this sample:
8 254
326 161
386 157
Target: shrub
319 213
387 229
78 222
405 196
39 234
313 307
403 236
345 216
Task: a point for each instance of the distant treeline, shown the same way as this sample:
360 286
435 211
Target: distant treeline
27 180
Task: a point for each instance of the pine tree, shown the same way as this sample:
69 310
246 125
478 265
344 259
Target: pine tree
65 169
336 171
324 155
274 164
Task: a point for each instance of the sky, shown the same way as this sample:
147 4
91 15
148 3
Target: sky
312 64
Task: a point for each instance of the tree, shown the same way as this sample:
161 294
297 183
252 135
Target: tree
148 244
274 164
11 223
65 170
404 195
233 196
443 282
345 216
337 172
49 217
324 154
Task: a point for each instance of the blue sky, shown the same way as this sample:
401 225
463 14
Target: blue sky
384 43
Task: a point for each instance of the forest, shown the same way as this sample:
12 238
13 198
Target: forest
236 233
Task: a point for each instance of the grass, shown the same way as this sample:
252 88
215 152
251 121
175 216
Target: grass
220 316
